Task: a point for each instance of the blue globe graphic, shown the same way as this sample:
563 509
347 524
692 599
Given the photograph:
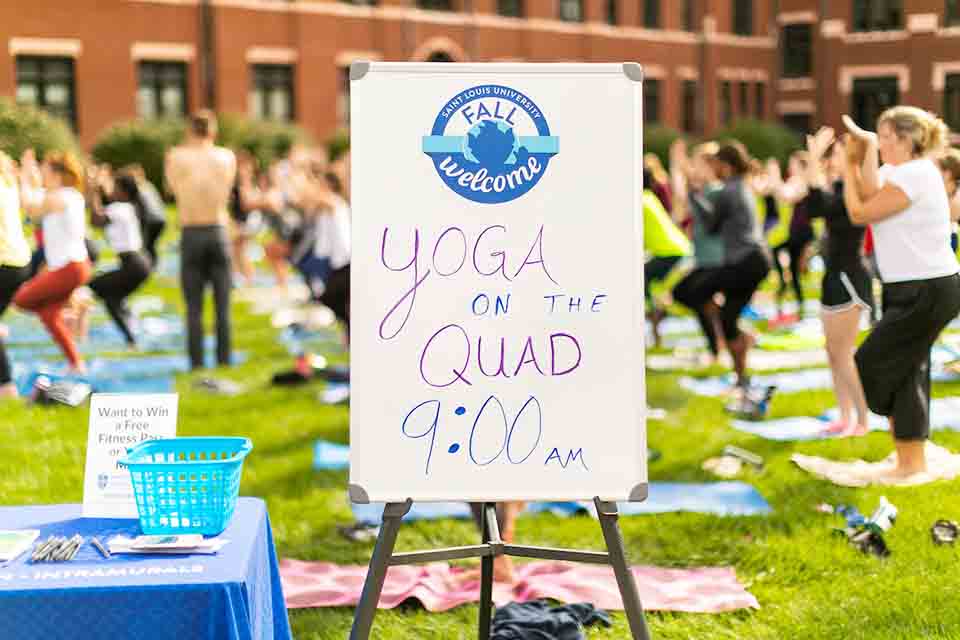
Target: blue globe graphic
492 145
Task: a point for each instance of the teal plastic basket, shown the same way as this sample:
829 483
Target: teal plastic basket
186 485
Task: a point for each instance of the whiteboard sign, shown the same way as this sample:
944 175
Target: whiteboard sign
118 422
497 309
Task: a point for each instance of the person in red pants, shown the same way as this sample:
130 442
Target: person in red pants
51 197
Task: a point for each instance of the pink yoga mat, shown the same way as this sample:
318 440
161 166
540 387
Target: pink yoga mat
437 587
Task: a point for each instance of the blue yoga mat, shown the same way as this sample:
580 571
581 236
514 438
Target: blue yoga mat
718 498
944 414
789 382
799 428
786 382
159 384
114 374
298 340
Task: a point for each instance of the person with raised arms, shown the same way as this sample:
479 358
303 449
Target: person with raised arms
51 197
731 214
696 174
907 206
847 288
801 235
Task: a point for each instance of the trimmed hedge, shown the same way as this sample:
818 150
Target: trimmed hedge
146 141
26 127
657 140
338 145
763 139
139 142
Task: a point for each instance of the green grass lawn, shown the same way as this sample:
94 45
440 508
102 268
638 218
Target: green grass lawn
809 584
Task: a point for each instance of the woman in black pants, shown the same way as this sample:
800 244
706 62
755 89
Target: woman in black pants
906 204
121 224
731 214
14 259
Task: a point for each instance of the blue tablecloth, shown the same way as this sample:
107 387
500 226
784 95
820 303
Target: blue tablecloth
234 595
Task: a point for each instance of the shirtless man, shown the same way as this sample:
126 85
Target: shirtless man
201 175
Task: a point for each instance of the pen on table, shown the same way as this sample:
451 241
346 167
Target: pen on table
41 548
76 548
99 546
46 548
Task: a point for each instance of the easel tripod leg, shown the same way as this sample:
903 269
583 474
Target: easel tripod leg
377 572
490 533
607 512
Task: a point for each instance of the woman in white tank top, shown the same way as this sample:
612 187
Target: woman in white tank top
59 207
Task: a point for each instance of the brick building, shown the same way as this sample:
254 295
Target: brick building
707 61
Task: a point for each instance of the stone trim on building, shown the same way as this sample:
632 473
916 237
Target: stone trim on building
65 47
848 73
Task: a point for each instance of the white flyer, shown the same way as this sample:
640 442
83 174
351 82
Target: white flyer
120 421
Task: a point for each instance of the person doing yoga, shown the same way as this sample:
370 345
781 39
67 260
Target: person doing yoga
801 235
51 197
695 174
847 288
906 204
122 227
731 214
949 163
665 245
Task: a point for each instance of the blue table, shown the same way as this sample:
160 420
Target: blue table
234 595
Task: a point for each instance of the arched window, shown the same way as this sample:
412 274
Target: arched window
439 56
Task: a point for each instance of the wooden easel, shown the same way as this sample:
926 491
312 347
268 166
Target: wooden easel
491 547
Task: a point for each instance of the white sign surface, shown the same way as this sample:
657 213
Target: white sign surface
497 302
118 422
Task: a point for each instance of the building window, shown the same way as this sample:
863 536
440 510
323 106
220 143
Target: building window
744 100
796 46
271 92
743 17
510 8
435 5
162 89
612 12
48 83
689 103
760 112
877 15
689 16
799 123
871 97
571 10
726 102
951 17
951 102
651 14
651 100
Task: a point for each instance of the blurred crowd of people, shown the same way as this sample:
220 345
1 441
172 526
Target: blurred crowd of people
226 204
889 203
